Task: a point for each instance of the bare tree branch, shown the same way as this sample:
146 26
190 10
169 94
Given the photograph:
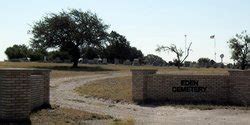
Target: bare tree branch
188 51
178 52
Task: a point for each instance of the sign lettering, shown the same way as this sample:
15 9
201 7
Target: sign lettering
189 86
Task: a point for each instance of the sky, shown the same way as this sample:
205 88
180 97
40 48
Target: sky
145 23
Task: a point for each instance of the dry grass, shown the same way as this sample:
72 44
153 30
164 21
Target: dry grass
117 89
63 74
63 116
66 116
129 121
65 66
60 70
194 71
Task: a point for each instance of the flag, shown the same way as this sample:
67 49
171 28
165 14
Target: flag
212 37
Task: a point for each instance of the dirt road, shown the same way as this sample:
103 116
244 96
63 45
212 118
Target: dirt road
62 93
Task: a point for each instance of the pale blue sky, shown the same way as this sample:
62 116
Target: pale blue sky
146 23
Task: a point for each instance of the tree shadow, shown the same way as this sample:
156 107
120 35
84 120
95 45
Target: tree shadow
25 121
80 68
12 122
201 105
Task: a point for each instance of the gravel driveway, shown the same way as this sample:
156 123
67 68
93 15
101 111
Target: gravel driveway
62 93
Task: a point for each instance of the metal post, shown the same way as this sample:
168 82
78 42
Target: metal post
215 49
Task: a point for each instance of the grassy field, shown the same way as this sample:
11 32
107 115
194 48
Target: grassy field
117 89
59 70
64 70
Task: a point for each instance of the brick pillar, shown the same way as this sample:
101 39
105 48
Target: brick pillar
239 81
20 90
15 95
138 83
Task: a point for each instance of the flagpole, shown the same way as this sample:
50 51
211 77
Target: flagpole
215 49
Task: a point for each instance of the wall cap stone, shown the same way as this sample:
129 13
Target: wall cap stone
219 75
238 70
143 69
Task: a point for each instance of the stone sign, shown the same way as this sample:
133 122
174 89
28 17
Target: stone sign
127 62
232 88
116 61
105 61
136 62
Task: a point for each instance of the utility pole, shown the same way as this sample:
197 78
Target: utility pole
213 37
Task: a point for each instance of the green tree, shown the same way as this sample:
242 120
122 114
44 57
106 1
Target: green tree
155 60
135 53
91 52
204 62
239 48
179 53
17 52
58 54
119 47
69 31
37 54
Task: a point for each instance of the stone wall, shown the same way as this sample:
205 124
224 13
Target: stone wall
22 90
233 88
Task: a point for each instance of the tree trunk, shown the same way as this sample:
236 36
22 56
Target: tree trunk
243 65
178 62
75 64
179 66
75 52
244 61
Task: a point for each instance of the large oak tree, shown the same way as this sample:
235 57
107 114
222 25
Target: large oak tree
70 31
